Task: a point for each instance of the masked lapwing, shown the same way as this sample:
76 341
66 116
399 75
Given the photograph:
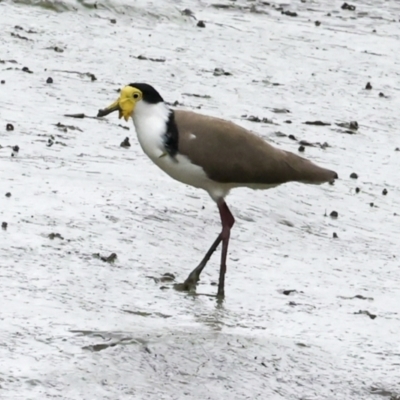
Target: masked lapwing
212 154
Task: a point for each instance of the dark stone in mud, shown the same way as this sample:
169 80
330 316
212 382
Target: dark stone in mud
254 118
317 123
125 143
9 127
358 190
220 72
288 121
301 149
110 259
113 21
365 312
49 80
349 7
292 137
351 126
317 23
201 24
335 236
281 110
334 214
141 57
167 277
288 292
26 69
353 175
4 225
384 192
3 82
289 13
305 143
15 149
8 194
53 236
371 204
381 94
368 86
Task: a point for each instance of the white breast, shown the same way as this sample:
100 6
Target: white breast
150 124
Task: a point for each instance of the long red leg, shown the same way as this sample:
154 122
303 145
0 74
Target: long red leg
227 221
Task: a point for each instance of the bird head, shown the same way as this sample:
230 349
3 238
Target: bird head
130 96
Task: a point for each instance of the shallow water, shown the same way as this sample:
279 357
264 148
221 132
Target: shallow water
76 327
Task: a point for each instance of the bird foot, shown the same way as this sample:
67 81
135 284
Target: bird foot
190 283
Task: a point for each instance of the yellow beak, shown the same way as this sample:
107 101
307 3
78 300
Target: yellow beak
125 104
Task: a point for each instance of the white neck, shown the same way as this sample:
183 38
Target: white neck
150 122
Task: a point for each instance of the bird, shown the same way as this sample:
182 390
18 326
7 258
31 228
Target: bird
212 154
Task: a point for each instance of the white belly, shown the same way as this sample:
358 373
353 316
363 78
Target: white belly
180 167
150 131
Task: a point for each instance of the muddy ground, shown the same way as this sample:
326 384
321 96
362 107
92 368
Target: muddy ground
312 302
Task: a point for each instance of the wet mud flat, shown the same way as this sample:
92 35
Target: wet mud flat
93 237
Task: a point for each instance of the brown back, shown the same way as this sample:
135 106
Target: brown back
229 153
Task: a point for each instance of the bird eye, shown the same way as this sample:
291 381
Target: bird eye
135 96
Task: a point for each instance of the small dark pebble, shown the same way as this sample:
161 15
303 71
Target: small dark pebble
110 259
357 190
349 7
4 225
254 118
365 312
49 80
368 86
384 192
317 123
8 194
288 292
334 214
292 137
371 204
335 236
167 277
220 71
288 121
353 125
125 143
92 77
58 49
397 149
305 143
301 148
381 94
3 81
289 13
15 149
26 69
53 236
317 23
353 175
201 24
113 21
9 127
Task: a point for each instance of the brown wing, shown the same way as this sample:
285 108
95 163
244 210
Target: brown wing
229 153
